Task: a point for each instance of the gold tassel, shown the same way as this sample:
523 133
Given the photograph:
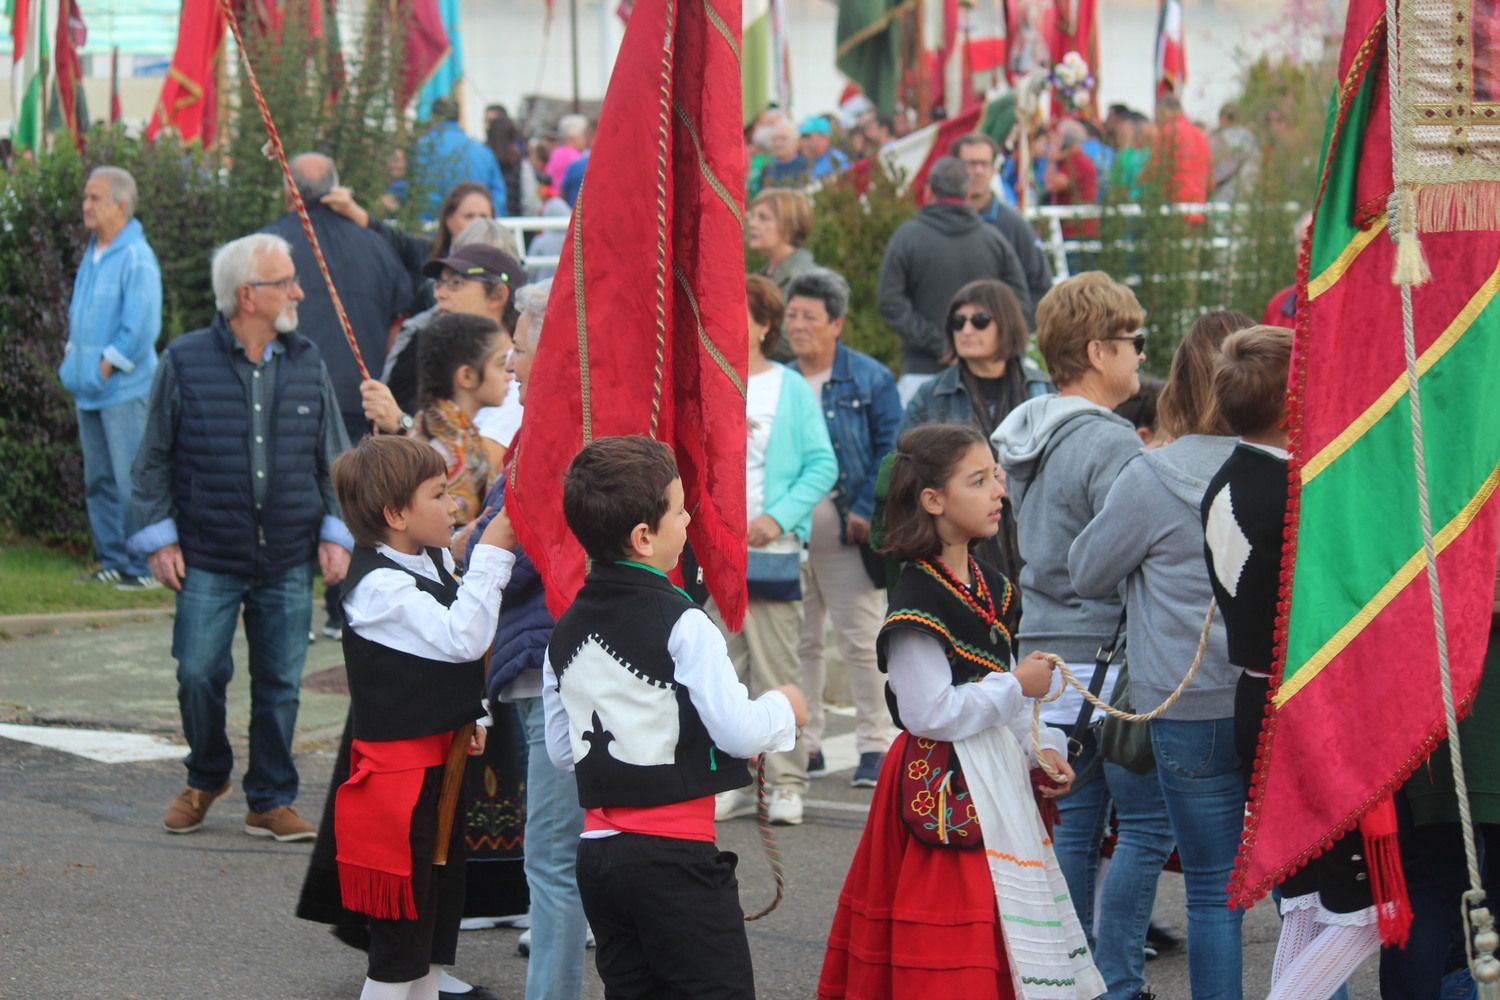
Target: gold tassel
1411 264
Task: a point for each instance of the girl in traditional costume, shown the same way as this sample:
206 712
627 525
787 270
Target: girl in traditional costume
954 889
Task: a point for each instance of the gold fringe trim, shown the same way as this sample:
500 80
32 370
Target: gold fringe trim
1466 206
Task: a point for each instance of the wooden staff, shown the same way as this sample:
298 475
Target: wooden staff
453 776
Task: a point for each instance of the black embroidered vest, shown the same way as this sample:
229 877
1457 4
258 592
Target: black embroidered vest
924 600
396 695
637 739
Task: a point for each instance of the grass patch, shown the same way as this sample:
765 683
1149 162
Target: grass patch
37 580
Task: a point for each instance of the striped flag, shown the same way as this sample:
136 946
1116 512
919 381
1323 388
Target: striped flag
32 24
1356 706
914 154
1171 50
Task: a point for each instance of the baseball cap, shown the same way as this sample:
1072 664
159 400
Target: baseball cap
479 260
816 125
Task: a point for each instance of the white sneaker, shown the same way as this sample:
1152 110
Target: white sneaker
786 807
737 802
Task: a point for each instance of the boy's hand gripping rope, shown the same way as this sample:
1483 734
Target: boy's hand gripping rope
1105 707
286 169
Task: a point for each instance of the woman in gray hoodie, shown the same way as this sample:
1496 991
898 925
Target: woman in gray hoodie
1159 558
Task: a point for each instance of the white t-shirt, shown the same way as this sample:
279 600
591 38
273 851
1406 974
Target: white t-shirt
500 423
762 393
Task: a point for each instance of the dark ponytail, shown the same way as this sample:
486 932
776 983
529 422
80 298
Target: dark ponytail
446 345
926 458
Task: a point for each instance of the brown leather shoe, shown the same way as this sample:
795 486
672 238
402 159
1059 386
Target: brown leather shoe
186 812
282 824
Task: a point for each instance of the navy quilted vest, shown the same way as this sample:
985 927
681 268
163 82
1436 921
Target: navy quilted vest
217 523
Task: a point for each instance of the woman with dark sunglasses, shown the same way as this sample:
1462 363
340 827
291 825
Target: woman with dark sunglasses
989 375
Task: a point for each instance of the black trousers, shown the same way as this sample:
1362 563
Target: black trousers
666 915
403 950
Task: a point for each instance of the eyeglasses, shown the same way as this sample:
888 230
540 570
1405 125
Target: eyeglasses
980 321
456 281
1138 341
281 284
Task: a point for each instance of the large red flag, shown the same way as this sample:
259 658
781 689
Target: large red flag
71 36
645 329
189 97
114 85
1356 705
424 47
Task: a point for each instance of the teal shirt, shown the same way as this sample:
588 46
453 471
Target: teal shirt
801 467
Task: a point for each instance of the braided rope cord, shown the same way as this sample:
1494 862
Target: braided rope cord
286 170
1070 678
663 131
767 841
1479 940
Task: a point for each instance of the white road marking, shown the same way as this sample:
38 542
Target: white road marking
97 744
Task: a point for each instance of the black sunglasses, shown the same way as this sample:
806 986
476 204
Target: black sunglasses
1138 341
980 320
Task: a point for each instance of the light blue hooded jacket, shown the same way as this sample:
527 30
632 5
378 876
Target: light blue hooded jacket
115 315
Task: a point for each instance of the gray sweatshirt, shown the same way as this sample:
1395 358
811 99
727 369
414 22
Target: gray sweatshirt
1160 559
1081 447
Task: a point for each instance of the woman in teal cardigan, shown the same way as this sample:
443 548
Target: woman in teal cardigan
789 467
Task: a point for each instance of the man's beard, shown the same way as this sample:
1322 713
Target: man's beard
286 320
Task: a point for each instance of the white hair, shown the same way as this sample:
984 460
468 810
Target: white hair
122 189
572 126
237 263
489 232
531 302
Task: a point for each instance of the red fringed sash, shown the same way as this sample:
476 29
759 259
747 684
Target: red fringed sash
372 820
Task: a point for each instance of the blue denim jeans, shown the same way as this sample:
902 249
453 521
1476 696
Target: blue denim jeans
1204 787
553 822
110 438
278 613
1129 890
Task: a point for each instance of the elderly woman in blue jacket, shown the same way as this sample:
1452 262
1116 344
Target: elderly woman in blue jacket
789 467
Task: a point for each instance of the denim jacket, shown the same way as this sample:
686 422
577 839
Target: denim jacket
863 412
945 400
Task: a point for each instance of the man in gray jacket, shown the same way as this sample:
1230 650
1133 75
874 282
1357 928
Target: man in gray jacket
928 259
1061 456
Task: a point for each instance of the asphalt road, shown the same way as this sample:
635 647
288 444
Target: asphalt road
96 900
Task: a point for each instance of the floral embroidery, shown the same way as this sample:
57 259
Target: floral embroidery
939 810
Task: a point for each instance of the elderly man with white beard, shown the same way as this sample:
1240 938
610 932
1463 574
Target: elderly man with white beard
232 485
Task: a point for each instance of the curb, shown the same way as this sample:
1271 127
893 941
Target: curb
20 626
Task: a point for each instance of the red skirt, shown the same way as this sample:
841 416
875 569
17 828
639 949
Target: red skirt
913 920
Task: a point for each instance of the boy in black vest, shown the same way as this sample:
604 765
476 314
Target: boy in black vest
414 646
643 705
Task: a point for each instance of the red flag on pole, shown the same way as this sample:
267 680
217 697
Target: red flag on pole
425 46
646 335
114 85
1171 49
189 97
71 35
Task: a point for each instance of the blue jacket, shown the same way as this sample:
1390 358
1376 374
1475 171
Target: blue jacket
945 400
115 315
221 525
446 157
525 625
800 464
863 411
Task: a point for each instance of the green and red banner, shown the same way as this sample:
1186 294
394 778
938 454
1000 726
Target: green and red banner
1356 705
